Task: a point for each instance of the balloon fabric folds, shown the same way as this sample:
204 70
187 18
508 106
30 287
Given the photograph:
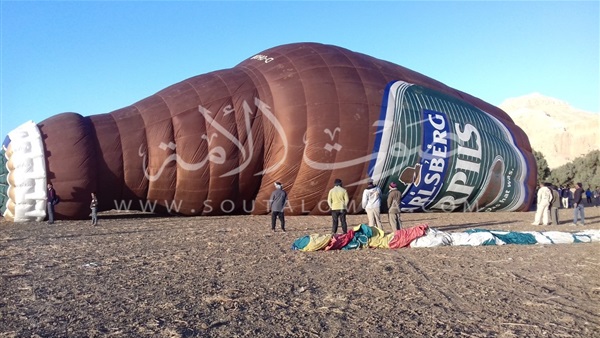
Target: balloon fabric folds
302 114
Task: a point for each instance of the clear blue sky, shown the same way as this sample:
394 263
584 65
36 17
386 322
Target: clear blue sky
95 57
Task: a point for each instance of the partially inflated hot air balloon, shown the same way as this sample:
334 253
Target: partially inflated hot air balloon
302 114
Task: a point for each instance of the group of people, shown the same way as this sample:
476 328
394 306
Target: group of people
592 197
52 199
548 202
337 200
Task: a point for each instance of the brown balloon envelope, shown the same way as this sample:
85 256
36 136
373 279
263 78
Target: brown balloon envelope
215 143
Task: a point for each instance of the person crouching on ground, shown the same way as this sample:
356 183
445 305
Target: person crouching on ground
544 196
277 204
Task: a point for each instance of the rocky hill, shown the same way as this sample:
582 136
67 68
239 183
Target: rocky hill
557 130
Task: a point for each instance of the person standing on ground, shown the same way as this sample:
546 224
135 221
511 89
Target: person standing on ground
588 196
337 199
371 202
51 200
277 204
577 205
554 205
393 204
544 196
564 194
94 207
597 196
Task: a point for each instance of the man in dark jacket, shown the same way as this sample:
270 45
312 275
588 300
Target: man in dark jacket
565 193
51 200
554 205
577 205
277 204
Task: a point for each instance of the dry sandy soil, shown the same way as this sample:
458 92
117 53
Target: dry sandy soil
139 276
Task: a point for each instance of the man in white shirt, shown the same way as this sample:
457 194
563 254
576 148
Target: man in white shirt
371 202
544 198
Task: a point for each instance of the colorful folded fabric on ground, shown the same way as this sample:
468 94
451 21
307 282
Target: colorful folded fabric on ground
478 237
365 236
474 238
509 237
422 236
312 242
404 237
557 237
378 238
360 236
338 241
432 237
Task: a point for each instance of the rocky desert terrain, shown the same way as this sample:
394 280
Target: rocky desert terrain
143 276
556 129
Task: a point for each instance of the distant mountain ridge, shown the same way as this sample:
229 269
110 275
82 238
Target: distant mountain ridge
557 130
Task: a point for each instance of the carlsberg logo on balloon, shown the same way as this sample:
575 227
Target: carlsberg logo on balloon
452 155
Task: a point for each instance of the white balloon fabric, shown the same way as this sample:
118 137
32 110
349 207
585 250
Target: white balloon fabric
27 178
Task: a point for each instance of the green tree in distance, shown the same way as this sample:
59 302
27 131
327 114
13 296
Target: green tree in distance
584 169
543 171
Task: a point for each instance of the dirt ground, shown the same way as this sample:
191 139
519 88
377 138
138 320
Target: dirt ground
141 276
